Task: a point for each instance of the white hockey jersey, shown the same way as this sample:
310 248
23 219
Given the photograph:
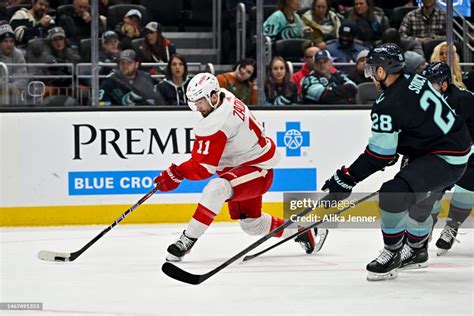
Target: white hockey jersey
229 137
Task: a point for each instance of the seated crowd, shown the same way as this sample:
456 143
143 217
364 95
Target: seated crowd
338 37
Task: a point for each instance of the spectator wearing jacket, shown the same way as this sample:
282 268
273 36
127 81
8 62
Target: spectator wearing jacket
345 50
297 77
279 90
31 23
9 54
77 23
323 86
173 87
129 29
155 48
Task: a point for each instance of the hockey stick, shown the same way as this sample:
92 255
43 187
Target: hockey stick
179 274
71 256
250 257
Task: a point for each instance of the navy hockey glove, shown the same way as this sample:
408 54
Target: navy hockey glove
339 185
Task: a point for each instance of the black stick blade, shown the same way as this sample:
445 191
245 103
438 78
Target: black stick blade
55 256
250 257
178 274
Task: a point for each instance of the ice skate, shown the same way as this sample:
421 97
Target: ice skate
313 240
385 266
180 248
446 239
414 258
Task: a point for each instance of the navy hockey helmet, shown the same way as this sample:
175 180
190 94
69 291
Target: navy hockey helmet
437 72
388 56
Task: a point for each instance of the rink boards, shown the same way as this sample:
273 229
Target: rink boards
66 168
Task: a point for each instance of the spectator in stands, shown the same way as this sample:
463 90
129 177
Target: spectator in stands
285 22
323 86
58 51
129 86
414 63
77 24
129 29
323 22
297 77
60 47
356 74
240 81
155 48
32 23
440 53
173 87
392 35
345 50
424 24
9 54
109 50
279 90
370 23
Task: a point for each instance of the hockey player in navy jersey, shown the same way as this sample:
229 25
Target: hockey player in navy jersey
462 202
410 118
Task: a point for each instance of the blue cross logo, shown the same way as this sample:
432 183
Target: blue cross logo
293 139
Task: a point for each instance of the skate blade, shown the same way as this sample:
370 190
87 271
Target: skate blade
171 258
441 252
322 238
372 276
414 266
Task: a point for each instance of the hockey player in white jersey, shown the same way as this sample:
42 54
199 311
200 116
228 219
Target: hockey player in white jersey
229 141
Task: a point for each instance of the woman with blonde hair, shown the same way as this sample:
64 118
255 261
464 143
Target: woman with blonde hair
440 53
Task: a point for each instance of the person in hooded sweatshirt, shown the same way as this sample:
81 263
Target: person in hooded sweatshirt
173 87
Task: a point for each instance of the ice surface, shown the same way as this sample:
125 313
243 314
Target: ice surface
121 275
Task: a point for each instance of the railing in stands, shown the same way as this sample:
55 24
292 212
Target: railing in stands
25 92
4 81
465 26
241 31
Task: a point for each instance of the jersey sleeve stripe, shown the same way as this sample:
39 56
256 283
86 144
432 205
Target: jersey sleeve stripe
367 151
384 143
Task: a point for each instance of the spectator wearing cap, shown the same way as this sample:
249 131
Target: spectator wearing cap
155 48
371 23
356 73
323 86
60 47
297 77
77 24
392 35
173 87
345 50
129 29
109 50
57 51
424 24
9 54
414 63
31 23
129 86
